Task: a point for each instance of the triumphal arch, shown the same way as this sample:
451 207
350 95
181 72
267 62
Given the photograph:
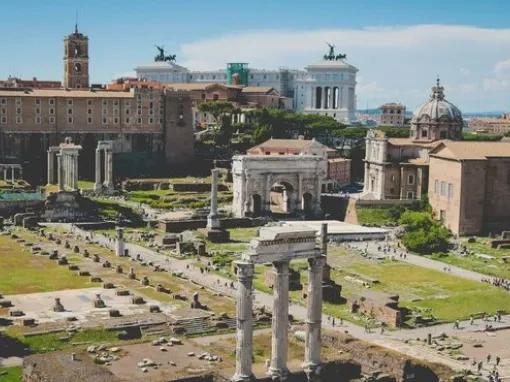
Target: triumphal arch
286 184
278 246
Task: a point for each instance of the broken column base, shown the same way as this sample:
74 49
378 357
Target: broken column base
217 235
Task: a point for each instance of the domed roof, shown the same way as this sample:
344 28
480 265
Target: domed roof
437 108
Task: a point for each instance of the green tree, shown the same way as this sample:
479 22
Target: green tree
423 234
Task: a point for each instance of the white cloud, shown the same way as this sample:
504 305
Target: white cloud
502 66
397 63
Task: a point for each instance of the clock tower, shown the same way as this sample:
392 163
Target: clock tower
76 60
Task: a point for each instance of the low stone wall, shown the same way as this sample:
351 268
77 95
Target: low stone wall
386 202
400 366
9 208
177 226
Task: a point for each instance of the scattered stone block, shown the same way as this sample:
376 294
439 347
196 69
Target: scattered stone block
99 302
144 281
62 261
28 322
107 264
154 309
76 249
57 306
74 267
122 292
108 285
16 313
84 273
119 269
95 279
114 313
5 303
137 300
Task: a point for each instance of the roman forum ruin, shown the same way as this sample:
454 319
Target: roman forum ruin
66 155
279 246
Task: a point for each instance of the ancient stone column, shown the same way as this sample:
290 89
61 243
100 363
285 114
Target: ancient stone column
280 321
213 220
5 174
314 317
12 174
108 182
60 172
244 352
119 244
75 171
51 167
97 184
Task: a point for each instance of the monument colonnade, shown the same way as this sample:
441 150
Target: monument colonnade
280 245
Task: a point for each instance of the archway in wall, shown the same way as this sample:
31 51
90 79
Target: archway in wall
306 203
281 196
256 205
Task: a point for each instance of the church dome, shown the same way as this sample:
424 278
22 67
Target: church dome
437 119
437 109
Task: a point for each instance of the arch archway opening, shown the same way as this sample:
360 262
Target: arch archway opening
256 205
307 203
280 198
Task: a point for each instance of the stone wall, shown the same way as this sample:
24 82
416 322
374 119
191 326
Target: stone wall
400 366
176 226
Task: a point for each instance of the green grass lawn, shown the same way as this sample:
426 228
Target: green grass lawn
177 199
448 296
493 267
10 374
43 343
22 272
380 216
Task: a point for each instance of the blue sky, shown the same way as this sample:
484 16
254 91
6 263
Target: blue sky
399 46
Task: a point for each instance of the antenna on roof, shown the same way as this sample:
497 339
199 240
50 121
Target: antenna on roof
76 23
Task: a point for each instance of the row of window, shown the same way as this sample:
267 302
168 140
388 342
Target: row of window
70 101
444 189
70 120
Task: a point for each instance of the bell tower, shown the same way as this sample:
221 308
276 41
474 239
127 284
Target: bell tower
76 60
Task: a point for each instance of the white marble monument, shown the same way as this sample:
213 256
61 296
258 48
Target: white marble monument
279 246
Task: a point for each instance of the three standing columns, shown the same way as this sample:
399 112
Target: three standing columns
280 321
244 308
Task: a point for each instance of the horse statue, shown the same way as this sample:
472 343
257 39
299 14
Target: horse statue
331 56
161 55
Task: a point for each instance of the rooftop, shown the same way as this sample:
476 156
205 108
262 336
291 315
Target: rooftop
469 150
64 93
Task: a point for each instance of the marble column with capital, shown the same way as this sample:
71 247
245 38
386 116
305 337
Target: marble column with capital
51 167
213 220
75 172
280 322
97 184
60 172
108 169
314 317
244 310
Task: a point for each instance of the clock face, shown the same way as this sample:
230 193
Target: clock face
77 67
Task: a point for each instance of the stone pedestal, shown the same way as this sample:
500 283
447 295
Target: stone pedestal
119 244
214 231
280 323
244 307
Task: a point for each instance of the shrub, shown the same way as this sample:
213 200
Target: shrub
424 234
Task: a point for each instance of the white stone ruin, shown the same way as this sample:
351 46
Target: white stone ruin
105 147
67 165
6 167
280 245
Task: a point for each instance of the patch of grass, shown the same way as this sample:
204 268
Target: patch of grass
448 296
11 374
378 216
22 272
86 184
492 267
177 199
43 343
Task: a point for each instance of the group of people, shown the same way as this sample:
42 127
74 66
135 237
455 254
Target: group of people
494 373
498 282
